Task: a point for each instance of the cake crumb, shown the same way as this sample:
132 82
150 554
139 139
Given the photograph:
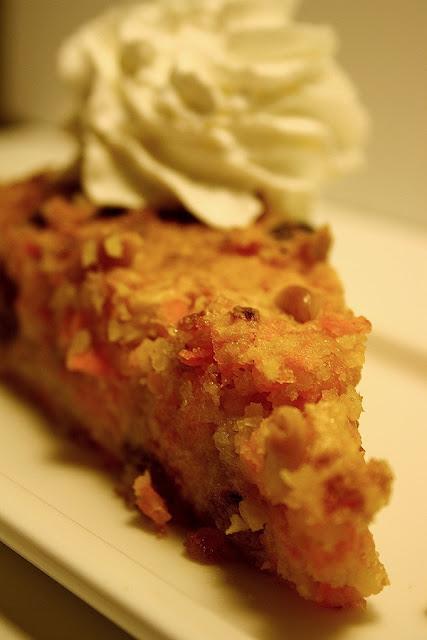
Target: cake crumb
237 524
113 246
89 254
149 501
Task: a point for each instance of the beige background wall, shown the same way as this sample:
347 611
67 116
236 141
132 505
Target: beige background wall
384 46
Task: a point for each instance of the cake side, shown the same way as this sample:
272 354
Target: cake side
228 357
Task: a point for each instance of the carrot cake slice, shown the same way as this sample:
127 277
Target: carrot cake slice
228 357
171 301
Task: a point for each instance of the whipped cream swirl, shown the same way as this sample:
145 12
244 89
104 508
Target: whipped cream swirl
224 106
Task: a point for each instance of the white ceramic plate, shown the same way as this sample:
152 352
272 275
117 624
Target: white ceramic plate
61 513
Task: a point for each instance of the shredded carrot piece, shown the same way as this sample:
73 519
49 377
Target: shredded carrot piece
149 501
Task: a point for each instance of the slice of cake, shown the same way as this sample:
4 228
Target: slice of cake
229 358
171 301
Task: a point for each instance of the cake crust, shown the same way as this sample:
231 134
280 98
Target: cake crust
228 357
